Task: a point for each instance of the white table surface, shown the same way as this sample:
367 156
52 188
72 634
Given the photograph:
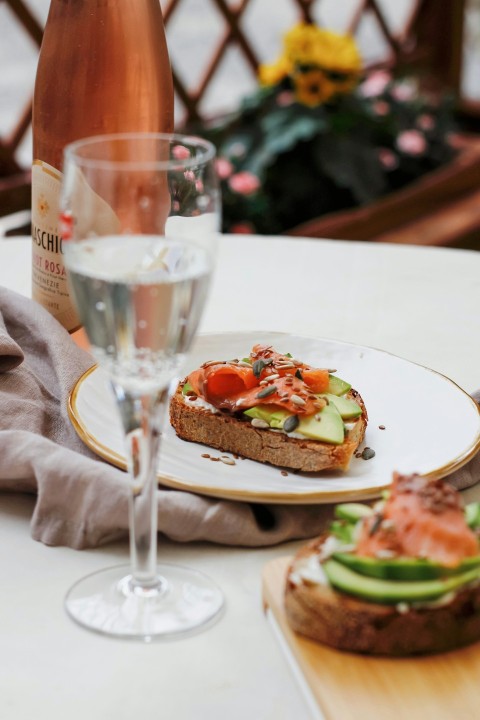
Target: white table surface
419 303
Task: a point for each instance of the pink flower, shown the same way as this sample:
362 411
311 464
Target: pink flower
411 142
285 98
237 150
381 108
375 83
387 158
223 167
199 186
404 91
244 183
242 228
189 175
426 122
180 152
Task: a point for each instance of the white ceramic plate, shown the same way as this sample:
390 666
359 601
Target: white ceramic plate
431 426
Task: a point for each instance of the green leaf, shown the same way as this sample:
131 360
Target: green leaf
284 129
351 164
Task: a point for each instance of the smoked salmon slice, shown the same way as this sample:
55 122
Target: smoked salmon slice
317 379
219 380
270 378
420 519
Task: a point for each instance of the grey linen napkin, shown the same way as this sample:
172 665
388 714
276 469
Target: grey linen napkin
80 500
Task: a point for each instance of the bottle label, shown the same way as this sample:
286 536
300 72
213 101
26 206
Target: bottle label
49 276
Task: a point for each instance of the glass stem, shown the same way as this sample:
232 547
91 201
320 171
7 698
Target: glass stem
142 419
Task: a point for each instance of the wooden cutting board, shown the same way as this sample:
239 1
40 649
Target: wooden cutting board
356 687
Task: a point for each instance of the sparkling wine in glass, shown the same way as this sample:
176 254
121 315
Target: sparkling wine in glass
140 216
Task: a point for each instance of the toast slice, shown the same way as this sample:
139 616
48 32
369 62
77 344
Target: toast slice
235 434
318 611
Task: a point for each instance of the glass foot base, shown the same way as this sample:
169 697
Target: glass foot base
108 602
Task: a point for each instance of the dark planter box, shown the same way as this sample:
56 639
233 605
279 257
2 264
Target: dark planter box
442 208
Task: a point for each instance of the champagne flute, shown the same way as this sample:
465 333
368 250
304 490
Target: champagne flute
140 214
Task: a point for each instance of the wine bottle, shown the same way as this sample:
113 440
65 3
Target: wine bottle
103 68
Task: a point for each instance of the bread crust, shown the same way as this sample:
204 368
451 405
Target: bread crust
227 433
347 623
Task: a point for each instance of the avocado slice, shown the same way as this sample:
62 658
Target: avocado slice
403 568
390 592
274 417
348 409
352 511
187 388
337 386
343 531
472 515
326 426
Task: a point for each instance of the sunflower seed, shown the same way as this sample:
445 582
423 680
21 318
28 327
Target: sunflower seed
228 461
290 424
259 423
214 362
267 391
258 366
297 400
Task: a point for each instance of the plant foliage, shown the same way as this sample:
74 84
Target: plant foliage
319 135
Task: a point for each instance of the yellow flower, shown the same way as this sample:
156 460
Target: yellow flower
274 73
313 87
320 62
300 44
311 45
338 53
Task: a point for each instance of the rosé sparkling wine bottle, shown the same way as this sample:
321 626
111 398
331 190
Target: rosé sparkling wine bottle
103 68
